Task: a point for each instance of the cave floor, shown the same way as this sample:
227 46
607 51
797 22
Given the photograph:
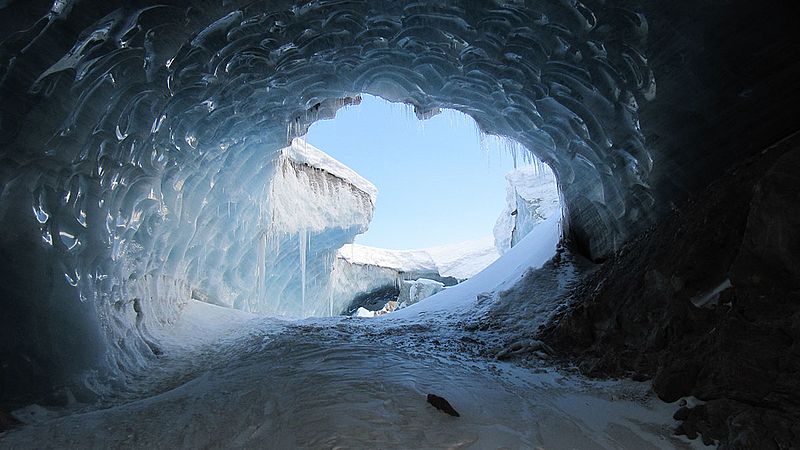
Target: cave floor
352 383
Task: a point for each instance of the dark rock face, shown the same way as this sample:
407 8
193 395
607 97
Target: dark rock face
733 250
768 260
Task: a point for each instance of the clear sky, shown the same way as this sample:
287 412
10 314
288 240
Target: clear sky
436 184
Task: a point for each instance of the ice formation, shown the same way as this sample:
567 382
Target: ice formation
360 269
316 205
413 291
531 197
140 140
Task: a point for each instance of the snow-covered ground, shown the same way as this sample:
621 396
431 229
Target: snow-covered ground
326 385
251 382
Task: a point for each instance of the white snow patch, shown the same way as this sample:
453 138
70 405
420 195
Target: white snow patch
532 252
464 260
401 260
363 312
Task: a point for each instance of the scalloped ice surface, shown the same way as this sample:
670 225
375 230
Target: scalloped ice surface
139 153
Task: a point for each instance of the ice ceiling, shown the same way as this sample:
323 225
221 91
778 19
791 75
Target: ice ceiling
138 141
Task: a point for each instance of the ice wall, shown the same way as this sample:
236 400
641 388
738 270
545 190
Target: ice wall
413 291
138 141
531 197
361 269
316 205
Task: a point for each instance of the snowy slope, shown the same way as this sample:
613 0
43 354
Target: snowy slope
464 260
531 252
400 260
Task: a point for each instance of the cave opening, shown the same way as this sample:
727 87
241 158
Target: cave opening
450 201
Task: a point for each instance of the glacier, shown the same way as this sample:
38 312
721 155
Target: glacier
360 270
532 197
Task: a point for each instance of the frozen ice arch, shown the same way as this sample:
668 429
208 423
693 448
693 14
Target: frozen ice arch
137 141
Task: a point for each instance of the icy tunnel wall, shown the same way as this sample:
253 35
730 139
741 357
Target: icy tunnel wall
138 140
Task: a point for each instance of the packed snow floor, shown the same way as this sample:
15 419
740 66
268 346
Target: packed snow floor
252 382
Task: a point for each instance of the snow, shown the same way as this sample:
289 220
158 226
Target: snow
532 251
364 312
464 260
400 260
333 195
344 383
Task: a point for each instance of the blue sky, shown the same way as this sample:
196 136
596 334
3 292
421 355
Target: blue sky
436 184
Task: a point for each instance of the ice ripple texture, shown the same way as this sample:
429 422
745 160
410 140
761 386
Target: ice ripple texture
138 142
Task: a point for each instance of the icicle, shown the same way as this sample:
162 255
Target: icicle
303 259
330 301
261 269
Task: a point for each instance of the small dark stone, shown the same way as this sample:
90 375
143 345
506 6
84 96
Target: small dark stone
442 405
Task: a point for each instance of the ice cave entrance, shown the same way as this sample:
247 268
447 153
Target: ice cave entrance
396 209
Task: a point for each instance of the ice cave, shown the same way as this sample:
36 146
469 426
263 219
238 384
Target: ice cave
178 267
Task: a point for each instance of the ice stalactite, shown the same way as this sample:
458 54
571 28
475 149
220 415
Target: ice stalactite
303 241
261 268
